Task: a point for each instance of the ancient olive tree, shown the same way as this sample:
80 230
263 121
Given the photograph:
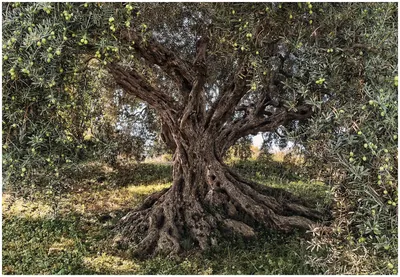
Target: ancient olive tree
214 96
213 72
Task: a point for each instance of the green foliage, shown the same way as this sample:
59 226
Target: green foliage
60 102
351 142
56 94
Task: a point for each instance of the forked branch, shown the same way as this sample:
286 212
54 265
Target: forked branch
255 122
229 98
179 70
195 105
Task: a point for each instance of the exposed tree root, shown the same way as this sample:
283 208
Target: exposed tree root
168 222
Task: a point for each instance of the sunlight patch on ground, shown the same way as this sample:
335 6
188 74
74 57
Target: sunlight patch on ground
62 245
148 188
110 264
23 208
278 156
96 201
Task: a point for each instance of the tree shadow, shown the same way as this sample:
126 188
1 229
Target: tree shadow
142 174
80 242
79 239
267 169
95 176
288 176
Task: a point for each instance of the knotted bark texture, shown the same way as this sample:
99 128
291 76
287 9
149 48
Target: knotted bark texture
206 200
199 124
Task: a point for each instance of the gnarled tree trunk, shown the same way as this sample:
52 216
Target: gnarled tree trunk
206 196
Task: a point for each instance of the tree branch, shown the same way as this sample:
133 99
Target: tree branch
228 99
167 137
196 102
132 82
255 122
154 53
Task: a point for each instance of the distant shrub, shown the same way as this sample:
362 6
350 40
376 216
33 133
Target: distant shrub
167 157
241 150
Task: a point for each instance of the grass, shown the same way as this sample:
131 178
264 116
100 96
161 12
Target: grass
73 237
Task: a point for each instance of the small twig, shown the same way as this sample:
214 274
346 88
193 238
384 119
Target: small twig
314 33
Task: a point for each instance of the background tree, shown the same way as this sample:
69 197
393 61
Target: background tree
241 149
213 72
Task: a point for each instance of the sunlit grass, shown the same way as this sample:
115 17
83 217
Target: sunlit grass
62 245
25 208
109 264
97 201
278 156
145 190
108 200
70 237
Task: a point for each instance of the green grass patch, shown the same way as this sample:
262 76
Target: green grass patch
272 254
283 175
73 237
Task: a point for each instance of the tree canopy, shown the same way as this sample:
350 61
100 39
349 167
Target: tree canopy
58 66
211 74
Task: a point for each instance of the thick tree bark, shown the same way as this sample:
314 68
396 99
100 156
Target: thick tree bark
206 197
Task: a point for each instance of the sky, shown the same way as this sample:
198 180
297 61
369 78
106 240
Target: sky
257 140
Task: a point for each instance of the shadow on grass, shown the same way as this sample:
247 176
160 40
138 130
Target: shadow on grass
79 245
270 254
267 170
94 176
97 188
144 174
68 245
78 241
